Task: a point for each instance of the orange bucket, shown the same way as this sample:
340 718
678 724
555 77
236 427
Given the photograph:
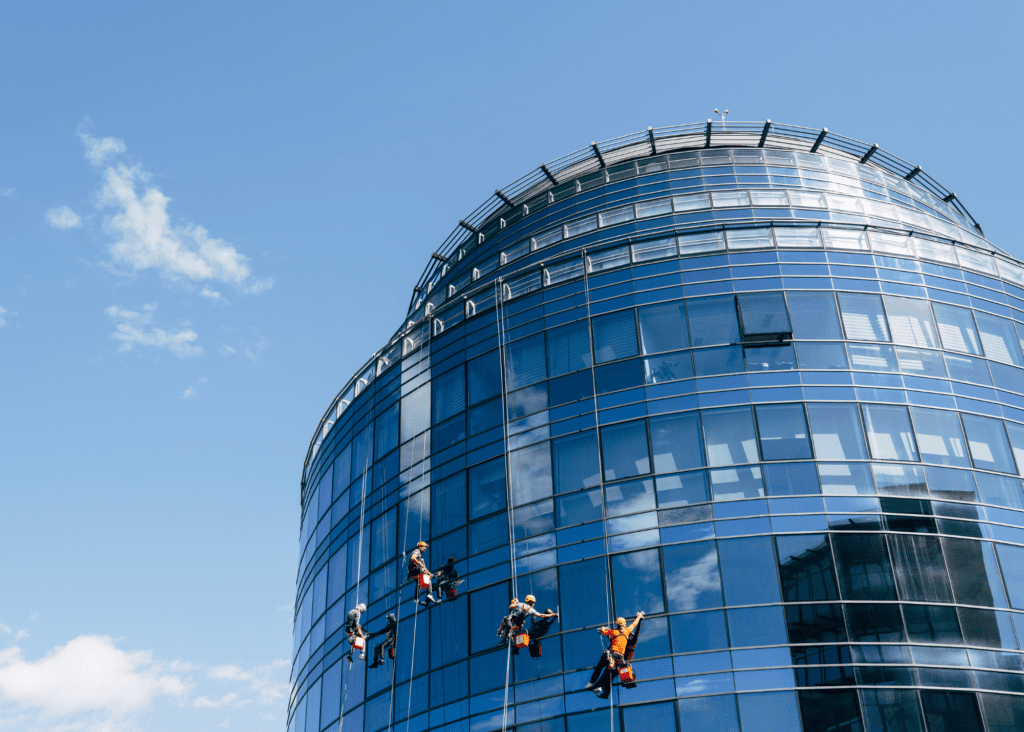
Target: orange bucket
626 674
358 643
522 640
424 581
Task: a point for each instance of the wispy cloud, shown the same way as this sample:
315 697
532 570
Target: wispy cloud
6 192
134 328
261 680
188 393
212 295
226 700
3 320
63 218
226 350
98 149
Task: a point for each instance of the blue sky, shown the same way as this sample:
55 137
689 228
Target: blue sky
212 213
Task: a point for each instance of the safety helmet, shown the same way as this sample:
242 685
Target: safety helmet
513 603
531 599
620 621
392 618
361 607
421 545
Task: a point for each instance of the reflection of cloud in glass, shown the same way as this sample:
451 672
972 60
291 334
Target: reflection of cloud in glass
689 583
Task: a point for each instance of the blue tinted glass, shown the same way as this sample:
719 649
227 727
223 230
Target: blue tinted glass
713 320
526 401
845 479
1000 490
713 361
691 575
939 437
637 583
449 508
682 489
806 568
487 488
956 329
489 533
484 377
989 447
889 432
709 714
791 479
568 348
763 313
863 566
585 591
863 317
814 315
698 632
836 431
770 358
615 336
729 436
575 462
449 394
631 497
899 480
999 339
676 443
919 568
525 361
1016 434
748 571
911 322
822 356
872 358
530 473
445 435
537 518
783 431
579 508
769 711
485 417
735 483
965 368
829 710
570 388
949 484
670 367
884 709
663 328
921 363
485 606
615 376
625 450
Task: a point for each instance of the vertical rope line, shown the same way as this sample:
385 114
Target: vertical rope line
600 478
416 612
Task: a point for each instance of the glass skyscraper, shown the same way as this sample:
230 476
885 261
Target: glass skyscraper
762 382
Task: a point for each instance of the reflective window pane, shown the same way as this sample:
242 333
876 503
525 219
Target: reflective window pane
663 328
1001 490
919 568
939 437
770 358
733 484
822 356
578 508
880 622
863 566
921 363
763 314
449 504
713 320
487 488
625 450
568 348
814 315
768 711
709 714
791 479
999 339
715 361
670 367
987 441
863 317
911 322
836 431
525 362
1016 434
748 571
951 710
957 329
783 431
676 442
698 632
891 710
806 568
889 432
873 358
973 572
636 580
484 377
729 436
825 711
615 336
932 624
630 497
965 368
575 462
681 490
449 394
691 576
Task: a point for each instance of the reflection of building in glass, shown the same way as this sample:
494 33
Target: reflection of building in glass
765 384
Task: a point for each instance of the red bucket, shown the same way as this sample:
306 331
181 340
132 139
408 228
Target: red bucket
424 581
522 640
626 674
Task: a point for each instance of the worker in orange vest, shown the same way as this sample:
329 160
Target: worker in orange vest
614 656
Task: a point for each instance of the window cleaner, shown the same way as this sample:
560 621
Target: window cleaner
517 619
419 573
622 642
506 622
355 633
446 581
390 633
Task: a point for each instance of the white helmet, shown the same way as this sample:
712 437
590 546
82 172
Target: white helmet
361 607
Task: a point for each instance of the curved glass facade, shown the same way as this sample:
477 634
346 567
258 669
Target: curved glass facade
774 399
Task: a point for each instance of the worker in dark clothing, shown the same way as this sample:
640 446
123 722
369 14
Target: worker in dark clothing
417 570
446 580
520 612
354 630
390 633
614 656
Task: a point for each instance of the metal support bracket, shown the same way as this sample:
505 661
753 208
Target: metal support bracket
868 154
821 139
553 179
764 132
467 227
707 135
597 152
650 136
503 197
913 173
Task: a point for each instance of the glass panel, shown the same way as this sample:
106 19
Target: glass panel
822 356
957 329
691 575
530 473
636 581
486 605
965 368
836 432
750 239
791 479
617 216
815 624
575 463
763 313
676 442
844 239
951 710
919 568
415 414
681 490
891 710
899 480
769 198
889 433
814 315
987 440
770 358
713 320
863 317
783 432
449 504
715 361
608 259
723 199
484 377
1001 490
625 450
826 711
671 367
759 626
999 339
1016 433
921 363
863 565
693 202
563 272
647 251
1003 712
806 568
973 572
711 714
748 571
615 336
631 497
875 622
663 328
733 484
654 208
487 488
579 508
729 436
568 348
695 243
873 358
769 711
449 394
911 322
698 632
799 237
584 595
525 362
939 437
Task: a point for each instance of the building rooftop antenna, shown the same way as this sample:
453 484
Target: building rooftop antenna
722 115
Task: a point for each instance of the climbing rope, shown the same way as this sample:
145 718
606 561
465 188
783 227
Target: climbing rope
600 482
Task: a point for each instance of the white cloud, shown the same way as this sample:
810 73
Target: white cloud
188 393
135 329
147 239
212 295
63 218
6 192
260 680
3 321
99 149
203 379
205 703
226 350
89 674
260 286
